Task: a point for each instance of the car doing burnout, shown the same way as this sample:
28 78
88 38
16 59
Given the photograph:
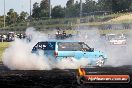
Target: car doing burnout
116 39
59 50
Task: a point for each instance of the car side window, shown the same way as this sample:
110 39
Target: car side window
77 47
65 46
69 46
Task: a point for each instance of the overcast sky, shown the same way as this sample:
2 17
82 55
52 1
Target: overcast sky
24 5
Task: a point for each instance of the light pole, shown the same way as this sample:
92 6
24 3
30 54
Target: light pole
30 17
4 14
49 8
30 8
80 8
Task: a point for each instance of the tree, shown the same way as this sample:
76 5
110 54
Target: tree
73 11
121 6
23 16
70 3
114 5
104 5
58 12
1 21
44 4
36 10
11 17
89 6
44 7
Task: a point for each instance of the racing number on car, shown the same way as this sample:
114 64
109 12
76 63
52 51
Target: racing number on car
40 46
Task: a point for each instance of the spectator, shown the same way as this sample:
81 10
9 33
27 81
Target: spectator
64 35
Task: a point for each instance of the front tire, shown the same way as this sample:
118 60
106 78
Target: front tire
100 61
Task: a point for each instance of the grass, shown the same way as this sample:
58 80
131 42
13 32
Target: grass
3 46
126 31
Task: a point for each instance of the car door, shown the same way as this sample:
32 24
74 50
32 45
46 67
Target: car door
88 54
65 49
87 51
49 49
78 53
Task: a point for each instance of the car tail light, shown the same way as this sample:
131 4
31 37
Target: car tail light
56 54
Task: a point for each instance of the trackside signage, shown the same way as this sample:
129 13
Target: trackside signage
107 78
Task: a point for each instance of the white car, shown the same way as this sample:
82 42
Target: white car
118 41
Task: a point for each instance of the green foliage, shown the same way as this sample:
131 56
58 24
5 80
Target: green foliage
89 6
1 21
3 46
11 17
121 6
58 12
69 3
22 17
36 10
73 11
104 5
42 10
44 5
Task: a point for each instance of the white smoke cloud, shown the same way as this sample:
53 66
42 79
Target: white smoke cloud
118 55
72 63
19 57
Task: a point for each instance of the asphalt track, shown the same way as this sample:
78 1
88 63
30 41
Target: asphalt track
57 78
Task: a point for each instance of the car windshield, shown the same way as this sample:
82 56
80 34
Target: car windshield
85 46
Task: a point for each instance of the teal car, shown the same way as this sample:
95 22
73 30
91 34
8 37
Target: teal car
60 49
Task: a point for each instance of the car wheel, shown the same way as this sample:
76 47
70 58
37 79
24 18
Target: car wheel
100 61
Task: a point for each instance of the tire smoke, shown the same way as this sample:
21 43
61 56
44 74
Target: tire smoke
118 55
19 57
